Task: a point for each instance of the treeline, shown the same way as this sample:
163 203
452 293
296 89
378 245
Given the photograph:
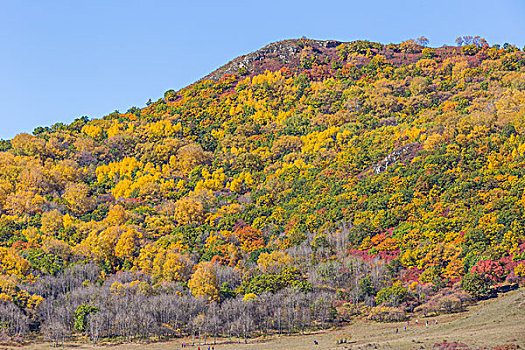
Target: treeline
125 307
274 298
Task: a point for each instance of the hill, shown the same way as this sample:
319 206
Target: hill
293 189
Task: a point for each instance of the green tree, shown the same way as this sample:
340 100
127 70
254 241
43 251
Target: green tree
393 295
476 286
81 314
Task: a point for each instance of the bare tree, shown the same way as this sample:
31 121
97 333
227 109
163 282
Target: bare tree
14 322
55 332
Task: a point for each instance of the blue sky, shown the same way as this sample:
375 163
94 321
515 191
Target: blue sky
64 59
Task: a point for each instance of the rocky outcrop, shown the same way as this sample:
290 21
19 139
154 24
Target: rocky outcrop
274 55
401 153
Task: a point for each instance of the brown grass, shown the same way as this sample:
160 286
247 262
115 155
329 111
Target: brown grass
493 322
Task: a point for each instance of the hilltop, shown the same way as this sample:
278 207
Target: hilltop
274 56
291 54
294 189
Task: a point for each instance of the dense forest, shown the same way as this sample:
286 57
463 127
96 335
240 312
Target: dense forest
293 189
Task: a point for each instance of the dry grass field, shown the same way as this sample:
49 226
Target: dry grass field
493 322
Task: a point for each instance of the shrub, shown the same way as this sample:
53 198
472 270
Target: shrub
446 301
520 270
450 304
476 286
387 314
393 295
470 50
428 308
490 270
428 53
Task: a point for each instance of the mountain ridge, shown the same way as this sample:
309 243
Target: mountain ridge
279 54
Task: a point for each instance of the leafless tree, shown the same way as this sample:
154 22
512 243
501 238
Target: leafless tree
14 322
56 332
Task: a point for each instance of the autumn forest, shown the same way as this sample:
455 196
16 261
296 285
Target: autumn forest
293 189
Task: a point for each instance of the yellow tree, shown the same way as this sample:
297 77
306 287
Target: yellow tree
191 156
128 243
188 211
146 259
52 223
104 244
158 226
24 202
29 145
204 281
176 267
11 263
77 197
273 262
116 216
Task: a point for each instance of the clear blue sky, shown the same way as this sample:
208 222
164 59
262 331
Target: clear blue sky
63 59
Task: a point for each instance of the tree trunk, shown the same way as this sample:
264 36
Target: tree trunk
279 321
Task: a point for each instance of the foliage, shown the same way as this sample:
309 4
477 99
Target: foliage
392 295
378 174
477 286
271 283
204 281
387 314
81 314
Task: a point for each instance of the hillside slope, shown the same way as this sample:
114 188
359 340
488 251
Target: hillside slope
313 182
